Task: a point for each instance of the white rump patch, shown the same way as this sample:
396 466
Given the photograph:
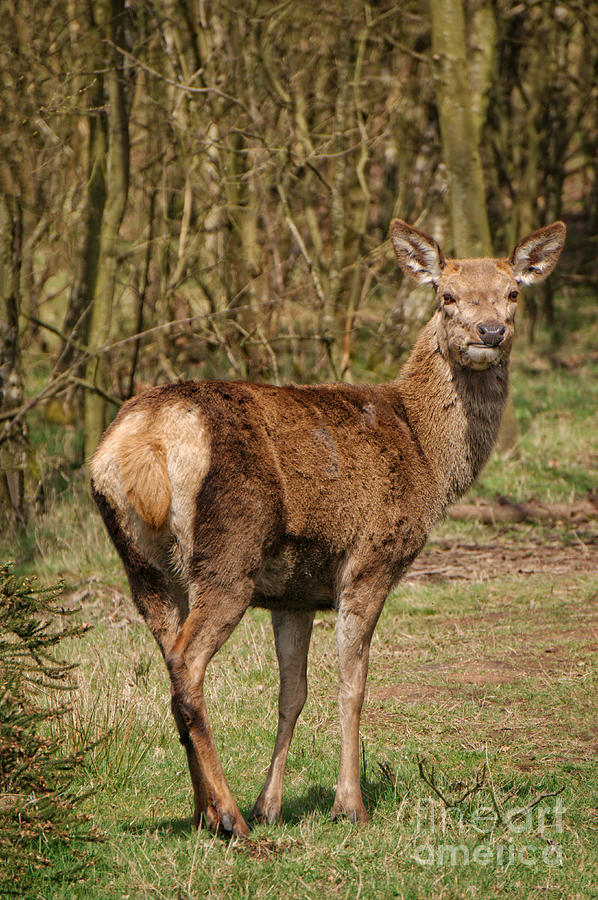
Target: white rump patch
178 431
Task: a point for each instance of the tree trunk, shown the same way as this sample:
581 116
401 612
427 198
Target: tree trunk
338 211
76 322
17 462
460 128
69 406
482 37
112 13
469 218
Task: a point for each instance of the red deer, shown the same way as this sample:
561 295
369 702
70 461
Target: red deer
223 495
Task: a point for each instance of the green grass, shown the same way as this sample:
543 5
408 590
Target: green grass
557 454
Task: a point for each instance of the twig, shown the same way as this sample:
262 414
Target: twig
58 383
495 802
326 338
299 240
543 797
387 772
52 328
430 780
74 379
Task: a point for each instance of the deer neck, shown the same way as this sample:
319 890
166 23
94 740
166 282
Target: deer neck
454 413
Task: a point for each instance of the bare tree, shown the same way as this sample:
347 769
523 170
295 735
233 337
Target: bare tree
469 217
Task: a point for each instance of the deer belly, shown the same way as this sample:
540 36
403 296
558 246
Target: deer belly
301 575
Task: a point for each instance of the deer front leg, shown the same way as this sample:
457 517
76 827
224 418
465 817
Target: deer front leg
210 622
292 634
356 623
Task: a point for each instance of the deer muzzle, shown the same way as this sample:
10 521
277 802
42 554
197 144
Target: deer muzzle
492 333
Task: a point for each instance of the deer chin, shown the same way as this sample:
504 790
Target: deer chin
480 356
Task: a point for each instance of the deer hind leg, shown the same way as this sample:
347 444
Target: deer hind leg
358 614
200 796
164 609
210 622
292 634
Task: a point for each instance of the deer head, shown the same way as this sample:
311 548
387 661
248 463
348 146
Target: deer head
477 297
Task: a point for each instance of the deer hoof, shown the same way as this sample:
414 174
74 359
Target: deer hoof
233 825
354 812
226 823
265 816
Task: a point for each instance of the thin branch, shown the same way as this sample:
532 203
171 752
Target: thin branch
177 84
495 802
74 379
543 797
430 780
304 252
52 328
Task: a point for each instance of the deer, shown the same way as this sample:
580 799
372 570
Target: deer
223 495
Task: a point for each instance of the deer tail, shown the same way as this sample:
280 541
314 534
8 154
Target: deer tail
145 478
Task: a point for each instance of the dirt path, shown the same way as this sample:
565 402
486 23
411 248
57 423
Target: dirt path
462 561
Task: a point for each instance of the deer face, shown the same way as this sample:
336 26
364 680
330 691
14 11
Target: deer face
477 304
477 297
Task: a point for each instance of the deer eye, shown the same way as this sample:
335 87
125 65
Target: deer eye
448 298
513 295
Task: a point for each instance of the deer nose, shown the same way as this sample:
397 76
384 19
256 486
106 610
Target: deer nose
492 333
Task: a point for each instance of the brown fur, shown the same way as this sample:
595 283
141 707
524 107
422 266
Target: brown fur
222 495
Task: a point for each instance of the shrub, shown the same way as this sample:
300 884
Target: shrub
37 798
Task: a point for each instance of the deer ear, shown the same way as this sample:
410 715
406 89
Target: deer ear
536 255
418 255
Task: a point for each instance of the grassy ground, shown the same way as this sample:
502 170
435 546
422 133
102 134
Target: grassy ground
489 678
493 681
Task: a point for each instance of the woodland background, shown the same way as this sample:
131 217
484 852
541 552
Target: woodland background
196 189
